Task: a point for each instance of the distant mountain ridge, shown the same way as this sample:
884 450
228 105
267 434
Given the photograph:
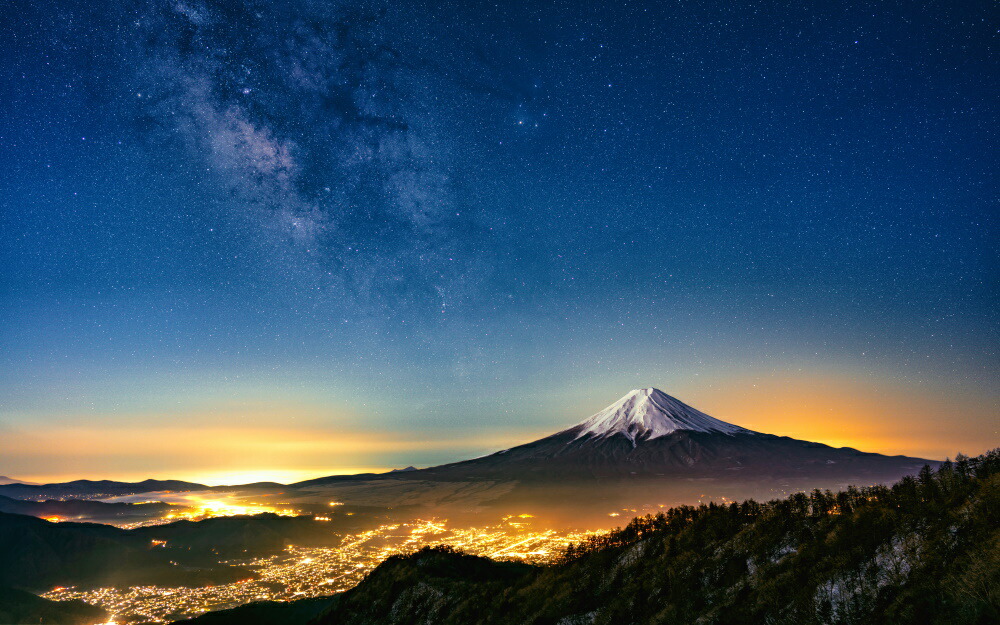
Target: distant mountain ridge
81 508
93 489
9 480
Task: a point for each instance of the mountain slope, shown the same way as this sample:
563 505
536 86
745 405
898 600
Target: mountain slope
18 607
643 452
648 434
9 480
36 554
265 613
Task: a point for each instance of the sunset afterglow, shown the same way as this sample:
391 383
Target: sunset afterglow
836 408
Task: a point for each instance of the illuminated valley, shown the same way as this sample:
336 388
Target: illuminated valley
197 506
302 572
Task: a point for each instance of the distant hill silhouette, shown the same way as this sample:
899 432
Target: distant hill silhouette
91 489
77 508
18 607
38 555
9 480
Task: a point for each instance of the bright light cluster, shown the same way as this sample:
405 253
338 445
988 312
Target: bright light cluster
196 506
206 509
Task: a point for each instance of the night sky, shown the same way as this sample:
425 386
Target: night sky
288 239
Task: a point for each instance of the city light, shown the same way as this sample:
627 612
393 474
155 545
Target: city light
301 572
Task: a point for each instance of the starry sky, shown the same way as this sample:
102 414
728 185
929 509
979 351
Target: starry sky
278 240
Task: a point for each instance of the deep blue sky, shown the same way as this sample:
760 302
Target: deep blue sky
484 217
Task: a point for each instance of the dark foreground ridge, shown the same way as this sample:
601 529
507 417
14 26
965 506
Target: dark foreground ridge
923 551
18 606
36 555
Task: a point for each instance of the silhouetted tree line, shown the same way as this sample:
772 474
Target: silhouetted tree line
928 492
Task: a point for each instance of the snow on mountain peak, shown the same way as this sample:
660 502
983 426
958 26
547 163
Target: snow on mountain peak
649 413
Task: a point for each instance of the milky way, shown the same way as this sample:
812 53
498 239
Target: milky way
327 125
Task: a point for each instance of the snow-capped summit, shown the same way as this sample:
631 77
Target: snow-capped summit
648 413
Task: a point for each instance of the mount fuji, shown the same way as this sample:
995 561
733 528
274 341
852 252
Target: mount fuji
650 437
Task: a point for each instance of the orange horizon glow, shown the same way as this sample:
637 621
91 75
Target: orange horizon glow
211 478
218 456
840 410
831 408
